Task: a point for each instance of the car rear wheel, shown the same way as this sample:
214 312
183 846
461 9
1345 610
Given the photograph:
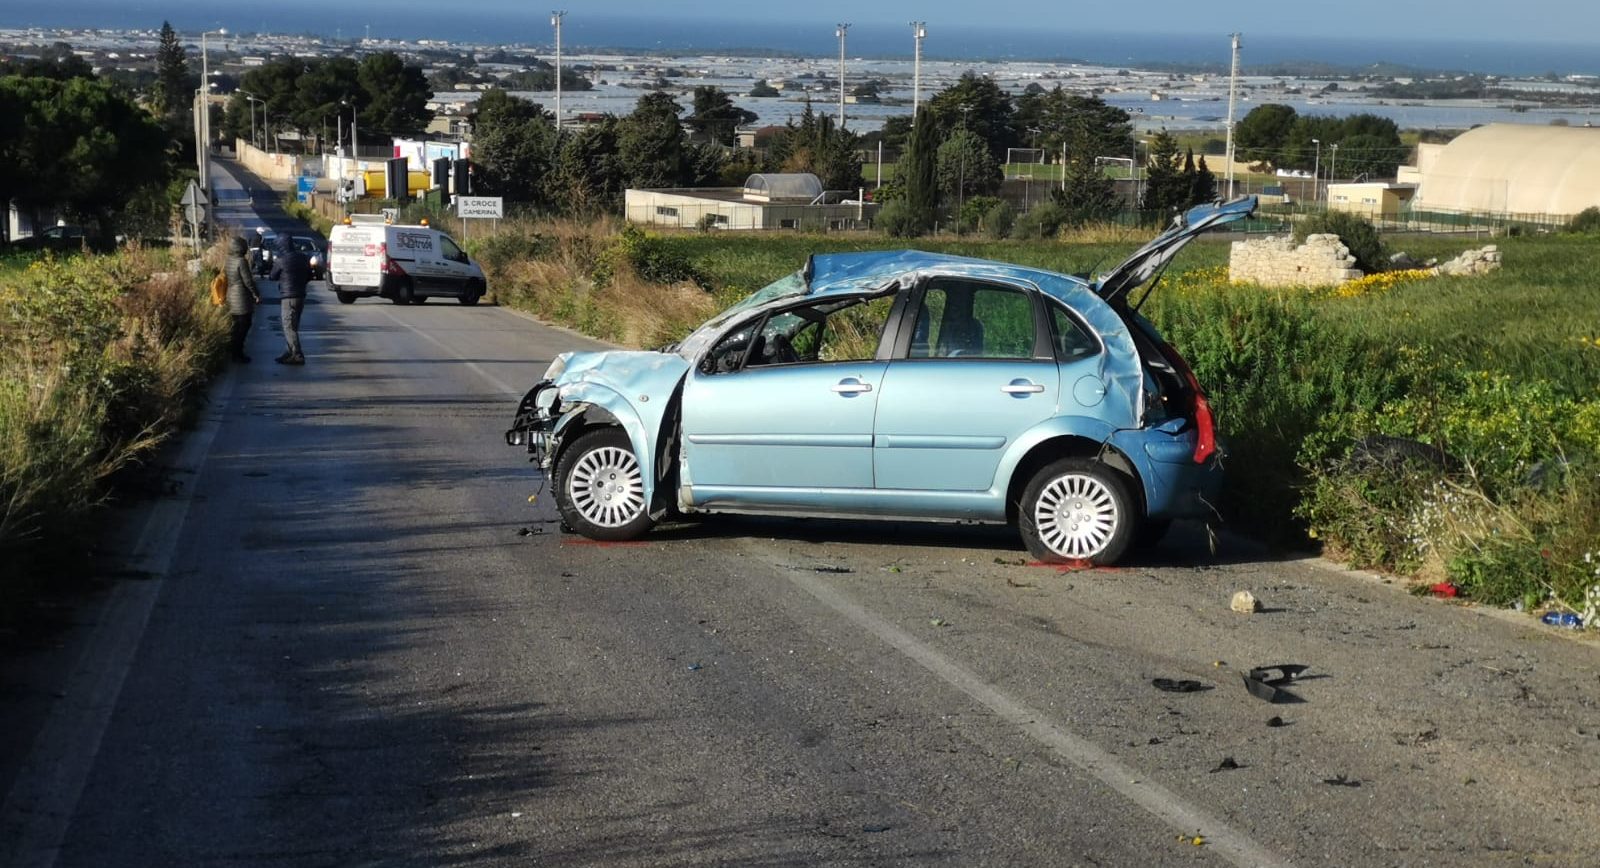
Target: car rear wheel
1077 510
600 487
404 294
346 297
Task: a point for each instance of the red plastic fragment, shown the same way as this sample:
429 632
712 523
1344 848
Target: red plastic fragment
1445 589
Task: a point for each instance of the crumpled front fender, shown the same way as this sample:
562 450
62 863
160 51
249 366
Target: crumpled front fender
576 401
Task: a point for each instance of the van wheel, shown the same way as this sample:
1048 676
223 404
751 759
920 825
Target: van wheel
405 295
1077 510
600 487
473 292
419 299
346 297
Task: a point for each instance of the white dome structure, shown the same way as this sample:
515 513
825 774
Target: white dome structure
1514 169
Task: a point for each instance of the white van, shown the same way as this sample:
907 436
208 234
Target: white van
405 264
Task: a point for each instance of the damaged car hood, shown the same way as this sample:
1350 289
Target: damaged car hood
639 376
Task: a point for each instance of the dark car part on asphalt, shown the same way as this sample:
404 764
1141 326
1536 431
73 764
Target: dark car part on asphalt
1173 686
1267 682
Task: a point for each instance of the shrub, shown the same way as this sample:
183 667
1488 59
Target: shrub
999 219
1044 221
502 249
1585 221
897 220
1354 232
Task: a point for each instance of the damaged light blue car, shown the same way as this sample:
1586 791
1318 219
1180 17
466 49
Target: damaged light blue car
898 385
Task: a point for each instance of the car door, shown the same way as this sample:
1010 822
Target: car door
974 372
787 401
453 267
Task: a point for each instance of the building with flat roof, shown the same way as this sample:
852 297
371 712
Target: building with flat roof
766 201
1373 200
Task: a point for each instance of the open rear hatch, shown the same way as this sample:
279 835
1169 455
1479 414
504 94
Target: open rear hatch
1173 395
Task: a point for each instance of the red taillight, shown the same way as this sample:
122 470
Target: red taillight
1205 426
387 265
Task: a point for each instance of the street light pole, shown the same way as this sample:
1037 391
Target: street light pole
251 101
203 147
919 32
555 21
1316 173
843 29
1333 163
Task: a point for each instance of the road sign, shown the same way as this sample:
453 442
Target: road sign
487 207
193 195
195 214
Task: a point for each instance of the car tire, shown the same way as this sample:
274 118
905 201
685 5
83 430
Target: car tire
473 292
600 487
346 297
1078 510
404 293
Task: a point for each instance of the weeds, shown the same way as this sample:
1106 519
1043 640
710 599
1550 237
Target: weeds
100 357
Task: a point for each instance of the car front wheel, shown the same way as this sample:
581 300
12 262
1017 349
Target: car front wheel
1077 509
600 487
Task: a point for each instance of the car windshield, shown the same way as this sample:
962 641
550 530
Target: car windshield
784 287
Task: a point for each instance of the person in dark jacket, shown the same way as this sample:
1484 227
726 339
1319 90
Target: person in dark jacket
242 296
292 271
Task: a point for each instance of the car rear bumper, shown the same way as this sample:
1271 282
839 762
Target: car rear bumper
1175 486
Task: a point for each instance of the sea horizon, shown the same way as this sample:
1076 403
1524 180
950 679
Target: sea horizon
1023 41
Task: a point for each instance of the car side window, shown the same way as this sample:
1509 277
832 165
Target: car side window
1072 340
451 251
964 319
834 331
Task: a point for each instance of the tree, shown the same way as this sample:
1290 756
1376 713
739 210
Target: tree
1086 194
174 87
588 175
978 103
513 146
57 61
1085 125
80 146
1262 135
917 171
397 95
815 145
1166 189
715 117
1202 183
651 145
965 167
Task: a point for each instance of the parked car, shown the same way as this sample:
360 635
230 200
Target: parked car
64 238
264 248
898 385
406 264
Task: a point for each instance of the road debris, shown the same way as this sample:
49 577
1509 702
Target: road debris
1267 682
1341 781
1228 764
695 667
1275 722
1445 589
1176 686
1245 603
938 622
529 531
1567 620
1197 840
828 568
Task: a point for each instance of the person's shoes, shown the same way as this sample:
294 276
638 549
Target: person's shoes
296 360
284 359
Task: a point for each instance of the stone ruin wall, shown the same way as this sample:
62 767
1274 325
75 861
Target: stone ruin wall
1275 261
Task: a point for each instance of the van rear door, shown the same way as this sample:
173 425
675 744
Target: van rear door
355 256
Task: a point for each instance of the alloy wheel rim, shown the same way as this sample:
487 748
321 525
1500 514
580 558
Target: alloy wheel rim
1076 516
607 487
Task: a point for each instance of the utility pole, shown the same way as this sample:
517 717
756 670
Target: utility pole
555 21
203 147
1333 164
1233 96
1316 173
843 29
919 32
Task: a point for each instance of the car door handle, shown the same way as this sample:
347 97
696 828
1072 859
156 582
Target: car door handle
1021 387
852 387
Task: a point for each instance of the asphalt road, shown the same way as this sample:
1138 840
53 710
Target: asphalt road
368 648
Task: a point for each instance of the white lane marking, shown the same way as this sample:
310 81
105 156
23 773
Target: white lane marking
472 366
43 799
1222 839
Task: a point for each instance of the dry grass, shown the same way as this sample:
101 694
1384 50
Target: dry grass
100 360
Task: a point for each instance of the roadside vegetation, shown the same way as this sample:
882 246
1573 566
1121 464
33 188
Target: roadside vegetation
101 359
1445 428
